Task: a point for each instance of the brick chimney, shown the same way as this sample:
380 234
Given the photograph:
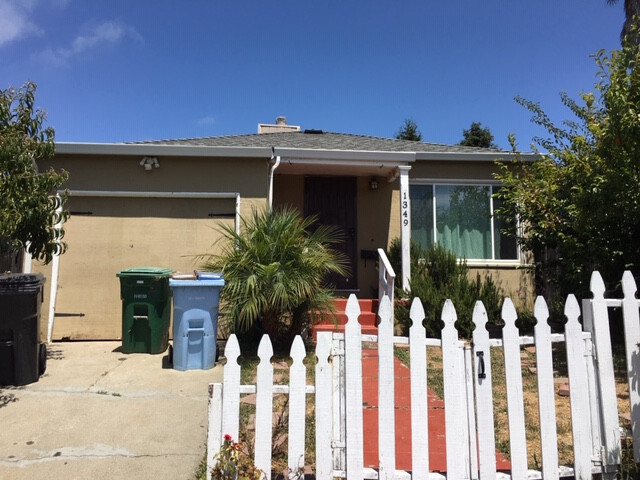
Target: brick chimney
279 127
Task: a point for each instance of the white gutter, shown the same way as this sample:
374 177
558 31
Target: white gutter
150 194
149 149
475 156
345 157
271 172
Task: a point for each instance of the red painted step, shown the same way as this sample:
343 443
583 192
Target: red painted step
368 318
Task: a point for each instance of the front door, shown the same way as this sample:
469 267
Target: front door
333 200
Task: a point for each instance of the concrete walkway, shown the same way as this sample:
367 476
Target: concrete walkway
100 413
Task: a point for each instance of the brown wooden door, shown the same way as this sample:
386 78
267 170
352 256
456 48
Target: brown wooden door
333 200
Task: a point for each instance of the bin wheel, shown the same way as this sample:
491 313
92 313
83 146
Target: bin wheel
42 359
217 354
170 354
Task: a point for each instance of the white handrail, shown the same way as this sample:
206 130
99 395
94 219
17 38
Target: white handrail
386 277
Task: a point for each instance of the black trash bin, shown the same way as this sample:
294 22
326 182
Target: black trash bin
22 357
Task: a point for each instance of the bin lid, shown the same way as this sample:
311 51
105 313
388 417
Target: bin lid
202 275
218 282
20 281
150 271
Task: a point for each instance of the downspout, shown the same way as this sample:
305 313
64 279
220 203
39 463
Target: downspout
271 172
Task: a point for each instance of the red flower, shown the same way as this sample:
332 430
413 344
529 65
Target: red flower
228 438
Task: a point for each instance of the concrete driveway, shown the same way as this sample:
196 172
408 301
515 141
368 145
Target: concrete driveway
99 413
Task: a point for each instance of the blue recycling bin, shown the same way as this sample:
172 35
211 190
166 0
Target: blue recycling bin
195 321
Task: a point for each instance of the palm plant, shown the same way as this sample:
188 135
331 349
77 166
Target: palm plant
275 270
631 14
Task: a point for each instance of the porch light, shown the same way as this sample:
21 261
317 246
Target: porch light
373 184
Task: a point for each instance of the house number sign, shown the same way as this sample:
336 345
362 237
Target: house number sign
405 209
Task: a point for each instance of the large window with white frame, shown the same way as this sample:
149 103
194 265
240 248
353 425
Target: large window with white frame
460 217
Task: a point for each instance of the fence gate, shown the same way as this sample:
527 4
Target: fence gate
468 394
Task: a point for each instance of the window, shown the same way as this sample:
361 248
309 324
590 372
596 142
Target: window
460 217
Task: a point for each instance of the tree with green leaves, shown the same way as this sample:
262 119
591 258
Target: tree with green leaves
579 203
477 136
409 131
30 214
275 270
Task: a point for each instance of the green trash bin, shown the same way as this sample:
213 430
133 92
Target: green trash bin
146 311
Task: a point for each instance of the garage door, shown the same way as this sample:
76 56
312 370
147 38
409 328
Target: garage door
107 235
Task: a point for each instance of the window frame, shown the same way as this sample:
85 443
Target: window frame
491 184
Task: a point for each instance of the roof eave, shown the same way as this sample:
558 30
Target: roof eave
475 156
309 155
147 149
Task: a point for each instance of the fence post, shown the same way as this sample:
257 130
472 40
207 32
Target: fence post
386 393
579 391
231 399
546 392
484 393
297 410
515 392
264 407
418 372
606 380
454 396
594 387
214 433
324 397
632 350
353 377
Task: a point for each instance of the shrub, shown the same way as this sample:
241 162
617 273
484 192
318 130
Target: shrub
275 271
437 275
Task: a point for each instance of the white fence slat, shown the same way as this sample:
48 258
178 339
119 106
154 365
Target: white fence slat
418 374
339 433
324 396
353 390
264 407
231 381
471 413
386 393
579 390
454 396
297 410
606 380
484 394
214 434
515 393
632 350
546 391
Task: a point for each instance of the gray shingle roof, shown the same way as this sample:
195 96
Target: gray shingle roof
317 140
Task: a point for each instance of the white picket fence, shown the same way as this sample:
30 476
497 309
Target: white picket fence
468 394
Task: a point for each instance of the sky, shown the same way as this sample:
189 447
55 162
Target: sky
135 70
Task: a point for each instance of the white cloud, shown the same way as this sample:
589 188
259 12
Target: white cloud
14 21
106 33
205 121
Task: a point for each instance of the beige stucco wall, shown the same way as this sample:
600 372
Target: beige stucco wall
170 232
453 170
120 233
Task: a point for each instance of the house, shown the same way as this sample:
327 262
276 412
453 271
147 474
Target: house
160 203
